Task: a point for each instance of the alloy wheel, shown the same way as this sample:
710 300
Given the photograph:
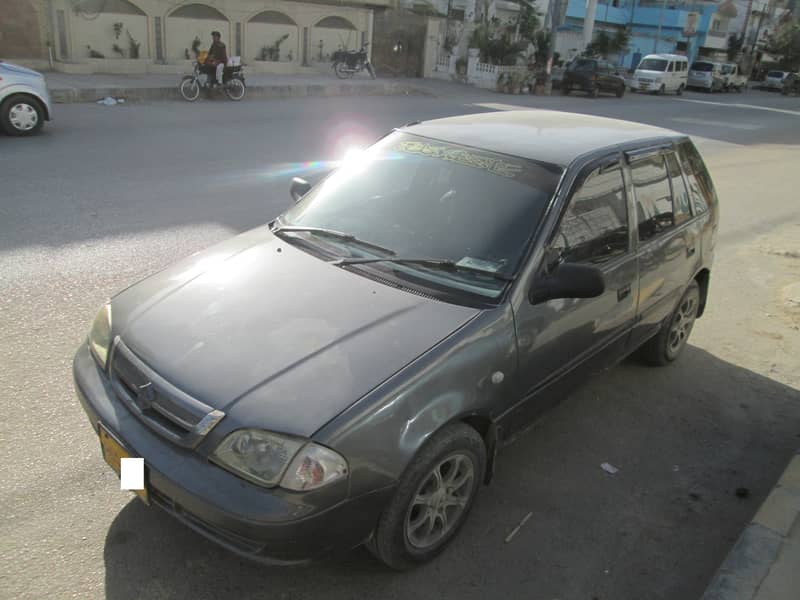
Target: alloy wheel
440 501
682 324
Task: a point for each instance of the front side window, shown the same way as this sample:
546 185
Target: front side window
671 67
653 196
594 227
653 64
680 196
415 198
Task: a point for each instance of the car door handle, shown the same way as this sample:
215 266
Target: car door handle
690 251
623 292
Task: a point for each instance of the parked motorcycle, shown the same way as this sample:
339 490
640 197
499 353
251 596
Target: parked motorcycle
347 63
232 81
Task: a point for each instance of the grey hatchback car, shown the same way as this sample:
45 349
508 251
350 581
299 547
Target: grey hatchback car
346 373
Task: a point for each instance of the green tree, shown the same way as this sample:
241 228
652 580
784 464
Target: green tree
786 45
735 43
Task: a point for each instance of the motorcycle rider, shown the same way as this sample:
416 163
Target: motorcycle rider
217 57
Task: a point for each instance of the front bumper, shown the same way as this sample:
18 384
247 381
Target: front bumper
645 85
268 525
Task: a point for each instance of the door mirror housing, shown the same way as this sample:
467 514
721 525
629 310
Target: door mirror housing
299 188
568 280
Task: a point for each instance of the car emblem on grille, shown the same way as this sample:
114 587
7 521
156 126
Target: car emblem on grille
145 396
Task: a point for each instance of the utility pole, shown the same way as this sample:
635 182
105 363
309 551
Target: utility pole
658 33
552 17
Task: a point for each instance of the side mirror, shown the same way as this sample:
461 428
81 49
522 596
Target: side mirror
299 188
569 280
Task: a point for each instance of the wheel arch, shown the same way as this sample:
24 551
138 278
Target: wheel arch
702 278
23 91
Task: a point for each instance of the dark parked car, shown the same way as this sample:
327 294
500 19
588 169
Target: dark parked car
346 373
593 76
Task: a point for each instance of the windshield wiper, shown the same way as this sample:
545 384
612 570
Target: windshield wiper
332 233
433 263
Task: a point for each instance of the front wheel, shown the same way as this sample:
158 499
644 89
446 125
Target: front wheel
235 89
432 500
190 88
670 341
661 90
341 70
21 115
621 91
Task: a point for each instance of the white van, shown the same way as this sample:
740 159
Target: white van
661 73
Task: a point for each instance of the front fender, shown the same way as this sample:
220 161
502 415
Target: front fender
381 433
18 88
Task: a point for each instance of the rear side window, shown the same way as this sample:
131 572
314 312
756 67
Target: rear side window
680 196
703 67
595 225
653 196
701 188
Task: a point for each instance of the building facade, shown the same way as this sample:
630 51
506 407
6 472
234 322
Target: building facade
130 36
654 26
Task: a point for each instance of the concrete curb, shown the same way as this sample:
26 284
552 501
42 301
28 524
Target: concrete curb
138 94
763 562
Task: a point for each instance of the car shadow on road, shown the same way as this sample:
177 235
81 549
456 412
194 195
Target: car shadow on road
684 439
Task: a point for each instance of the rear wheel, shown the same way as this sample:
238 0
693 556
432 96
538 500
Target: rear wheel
21 115
670 341
190 88
235 89
432 500
679 91
621 91
341 70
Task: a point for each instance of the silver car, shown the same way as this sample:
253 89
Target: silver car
24 100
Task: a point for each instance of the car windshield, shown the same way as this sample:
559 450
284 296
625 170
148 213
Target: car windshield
584 65
653 64
425 200
704 67
778 74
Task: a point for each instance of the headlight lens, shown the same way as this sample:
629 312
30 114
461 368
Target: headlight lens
314 467
262 457
258 456
100 335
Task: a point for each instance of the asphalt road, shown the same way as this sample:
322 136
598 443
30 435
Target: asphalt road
107 195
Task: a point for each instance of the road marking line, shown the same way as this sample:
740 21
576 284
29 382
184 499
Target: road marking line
727 124
785 111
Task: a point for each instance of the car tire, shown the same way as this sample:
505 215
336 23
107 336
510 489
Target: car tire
670 341
660 91
679 91
400 539
21 115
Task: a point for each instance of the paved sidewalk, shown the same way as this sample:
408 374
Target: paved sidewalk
764 564
66 88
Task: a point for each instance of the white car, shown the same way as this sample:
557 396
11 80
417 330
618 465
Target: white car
774 79
705 75
24 100
661 73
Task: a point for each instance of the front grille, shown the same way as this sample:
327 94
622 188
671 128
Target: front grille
157 403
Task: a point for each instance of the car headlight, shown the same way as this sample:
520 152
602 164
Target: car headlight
100 335
263 457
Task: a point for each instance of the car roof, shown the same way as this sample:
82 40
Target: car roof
667 56
546 136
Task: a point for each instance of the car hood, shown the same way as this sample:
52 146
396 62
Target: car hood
274 336
11 67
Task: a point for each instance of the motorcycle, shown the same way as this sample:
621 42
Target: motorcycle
347 63
232 81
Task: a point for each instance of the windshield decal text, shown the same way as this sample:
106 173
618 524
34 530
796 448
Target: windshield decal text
493 165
